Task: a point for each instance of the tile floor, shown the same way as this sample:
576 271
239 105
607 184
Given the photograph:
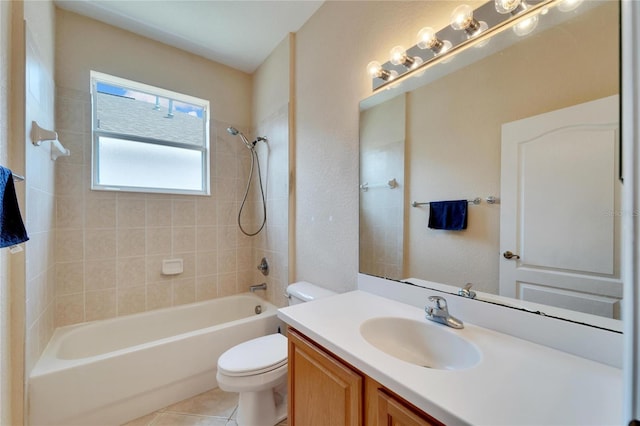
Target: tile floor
212 408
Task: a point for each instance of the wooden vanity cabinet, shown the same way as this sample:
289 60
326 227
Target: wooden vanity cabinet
326 391
323 391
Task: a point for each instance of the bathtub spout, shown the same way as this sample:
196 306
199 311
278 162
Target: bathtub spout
262 286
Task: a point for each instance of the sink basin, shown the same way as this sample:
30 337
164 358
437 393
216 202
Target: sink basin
421 343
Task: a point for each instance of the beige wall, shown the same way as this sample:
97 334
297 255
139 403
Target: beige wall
16 146
271 82
271 119
332 51
110 245
5 293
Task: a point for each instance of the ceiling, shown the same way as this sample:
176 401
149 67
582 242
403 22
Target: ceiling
237 33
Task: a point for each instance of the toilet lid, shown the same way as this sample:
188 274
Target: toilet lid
254 356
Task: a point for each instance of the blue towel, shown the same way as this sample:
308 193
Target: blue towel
12 230
448 215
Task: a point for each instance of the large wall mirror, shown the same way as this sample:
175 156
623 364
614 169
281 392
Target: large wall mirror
532 122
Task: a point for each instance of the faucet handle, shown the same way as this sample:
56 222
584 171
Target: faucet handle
467 292
440 302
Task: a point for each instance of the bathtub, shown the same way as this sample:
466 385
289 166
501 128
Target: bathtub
111 371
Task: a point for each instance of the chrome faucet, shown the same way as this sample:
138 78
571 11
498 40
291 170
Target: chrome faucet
467 292
253 288
440 313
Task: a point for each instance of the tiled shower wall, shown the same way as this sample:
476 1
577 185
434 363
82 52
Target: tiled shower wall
39 183
272 242
110 245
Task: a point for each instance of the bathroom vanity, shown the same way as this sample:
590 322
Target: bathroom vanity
323 386
358 358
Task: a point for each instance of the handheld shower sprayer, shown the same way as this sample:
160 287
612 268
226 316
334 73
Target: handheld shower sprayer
235 132
254 160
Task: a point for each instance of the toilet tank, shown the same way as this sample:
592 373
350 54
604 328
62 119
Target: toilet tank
303 291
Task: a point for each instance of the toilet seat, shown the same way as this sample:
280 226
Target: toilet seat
255 356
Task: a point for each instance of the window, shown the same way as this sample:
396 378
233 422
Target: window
147 139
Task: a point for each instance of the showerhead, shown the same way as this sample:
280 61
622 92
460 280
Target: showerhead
235 132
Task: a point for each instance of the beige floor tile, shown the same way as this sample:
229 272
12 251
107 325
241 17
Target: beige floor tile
144 420
211 408
233 422
211 403
173 419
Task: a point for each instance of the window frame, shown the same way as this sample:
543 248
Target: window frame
96 133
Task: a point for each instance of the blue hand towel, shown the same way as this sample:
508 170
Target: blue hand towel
448 215
12 230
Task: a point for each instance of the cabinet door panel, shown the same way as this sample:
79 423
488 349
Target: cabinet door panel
322 390
392 412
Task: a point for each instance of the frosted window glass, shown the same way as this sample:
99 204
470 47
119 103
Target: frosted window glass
124 163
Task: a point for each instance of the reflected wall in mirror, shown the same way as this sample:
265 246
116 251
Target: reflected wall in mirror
382 158
448 134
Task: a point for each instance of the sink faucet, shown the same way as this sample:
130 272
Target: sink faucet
262 286
467 292
440 313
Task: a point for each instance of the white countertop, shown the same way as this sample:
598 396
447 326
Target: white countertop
516 382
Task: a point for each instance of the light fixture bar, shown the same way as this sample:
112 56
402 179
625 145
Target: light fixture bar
460 40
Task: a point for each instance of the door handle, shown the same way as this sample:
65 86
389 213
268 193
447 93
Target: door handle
508 255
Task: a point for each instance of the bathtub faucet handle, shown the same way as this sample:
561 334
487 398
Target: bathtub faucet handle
262 286
264 267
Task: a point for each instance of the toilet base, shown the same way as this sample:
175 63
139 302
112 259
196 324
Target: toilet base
263 408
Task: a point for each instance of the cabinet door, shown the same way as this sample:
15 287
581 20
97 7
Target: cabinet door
392 412
322 390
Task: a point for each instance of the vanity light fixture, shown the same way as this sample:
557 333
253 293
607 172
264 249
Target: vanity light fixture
468 28
375 70
462 19
427 39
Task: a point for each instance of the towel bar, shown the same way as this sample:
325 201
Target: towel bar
474 201
391 184
39 135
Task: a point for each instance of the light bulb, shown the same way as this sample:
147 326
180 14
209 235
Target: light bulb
462 19
569 5
506 6
427 39
374 68
527 26
397 55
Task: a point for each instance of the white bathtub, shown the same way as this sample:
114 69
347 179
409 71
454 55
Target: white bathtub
111 371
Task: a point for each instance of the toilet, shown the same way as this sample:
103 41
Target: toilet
257 368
